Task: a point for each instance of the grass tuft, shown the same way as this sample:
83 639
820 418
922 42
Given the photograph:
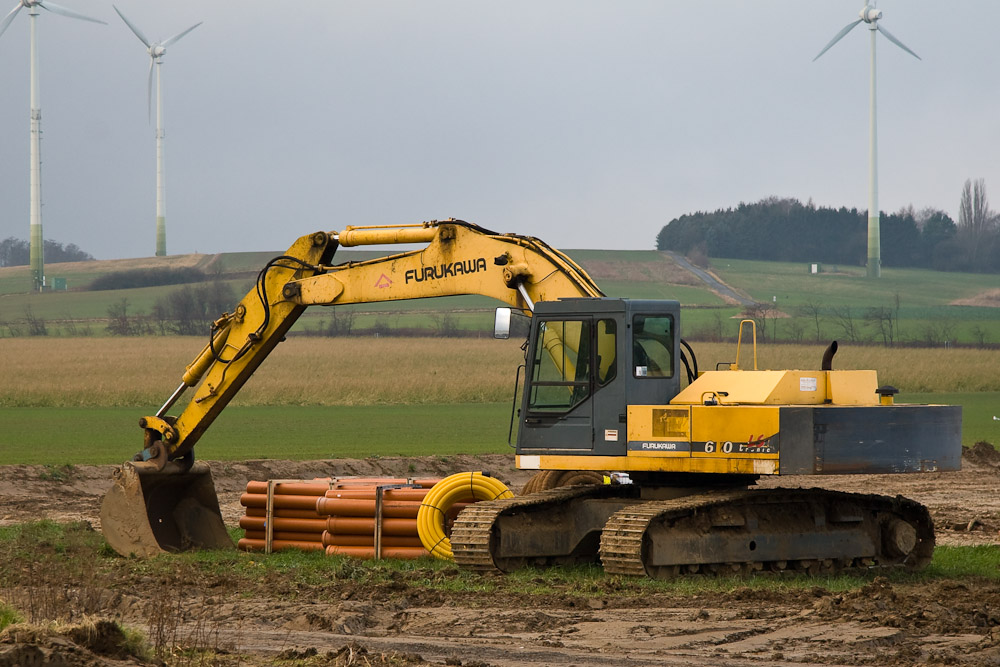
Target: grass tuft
57 473
9 615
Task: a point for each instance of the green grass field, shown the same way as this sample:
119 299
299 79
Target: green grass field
85 436
978 412
792 284
67 436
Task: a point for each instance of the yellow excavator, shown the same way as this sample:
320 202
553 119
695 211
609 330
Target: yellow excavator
608 385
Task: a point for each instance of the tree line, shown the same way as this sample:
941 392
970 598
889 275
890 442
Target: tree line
17 252
785 229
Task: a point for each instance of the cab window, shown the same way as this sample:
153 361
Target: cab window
652 346
572 358
607 349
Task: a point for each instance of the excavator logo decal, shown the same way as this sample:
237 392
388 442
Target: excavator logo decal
383 282
449 270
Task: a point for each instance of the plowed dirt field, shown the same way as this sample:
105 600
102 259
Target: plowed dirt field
398 621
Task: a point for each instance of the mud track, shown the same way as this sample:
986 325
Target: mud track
396 622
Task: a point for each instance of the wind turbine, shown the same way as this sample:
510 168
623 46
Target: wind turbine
37 257
870 15
156 52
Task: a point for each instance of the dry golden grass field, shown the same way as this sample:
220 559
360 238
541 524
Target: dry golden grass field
113 372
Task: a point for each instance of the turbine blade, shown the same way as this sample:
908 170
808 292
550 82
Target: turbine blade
167 42
149 91
138 33
10 17
895 41
840 35
59 9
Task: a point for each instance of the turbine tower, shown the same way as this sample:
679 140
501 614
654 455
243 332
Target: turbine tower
156 52
870 15
37 256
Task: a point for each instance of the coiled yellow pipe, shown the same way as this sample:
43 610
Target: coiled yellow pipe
460 487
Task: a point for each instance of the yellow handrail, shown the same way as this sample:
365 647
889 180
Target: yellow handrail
739 342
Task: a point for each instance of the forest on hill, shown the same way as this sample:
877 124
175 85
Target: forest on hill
17 252
786 230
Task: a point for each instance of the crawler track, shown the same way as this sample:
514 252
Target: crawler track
723 532
556 526
809 530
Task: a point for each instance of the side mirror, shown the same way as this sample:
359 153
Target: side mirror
501 323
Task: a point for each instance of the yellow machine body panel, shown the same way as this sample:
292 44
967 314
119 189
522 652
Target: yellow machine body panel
705 439
782 387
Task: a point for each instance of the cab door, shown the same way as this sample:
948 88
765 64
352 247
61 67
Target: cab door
572 359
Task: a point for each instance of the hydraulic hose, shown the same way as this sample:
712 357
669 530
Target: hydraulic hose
458 488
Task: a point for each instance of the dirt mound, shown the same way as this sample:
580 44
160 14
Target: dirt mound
989 298
948 607
233 476
85 645
982 453
937 609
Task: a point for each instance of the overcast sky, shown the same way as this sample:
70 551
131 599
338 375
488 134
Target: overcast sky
588 124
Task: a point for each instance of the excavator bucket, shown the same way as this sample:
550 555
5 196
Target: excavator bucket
150 511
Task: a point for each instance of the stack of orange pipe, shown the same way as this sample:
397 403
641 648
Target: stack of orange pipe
351 523
297 523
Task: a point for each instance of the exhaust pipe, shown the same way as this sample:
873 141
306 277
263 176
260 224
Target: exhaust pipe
828 356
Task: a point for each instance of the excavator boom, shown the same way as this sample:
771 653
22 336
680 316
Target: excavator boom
160 501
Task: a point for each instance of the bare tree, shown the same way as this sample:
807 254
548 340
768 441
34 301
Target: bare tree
759 312
974 212
980 335
883 320
815 311
796 329
713 331
36 325
446 324
341 321
121 323
845 319
698 255
938 332
975 221
191 310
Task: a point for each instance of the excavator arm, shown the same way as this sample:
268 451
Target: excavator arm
163 500
457 258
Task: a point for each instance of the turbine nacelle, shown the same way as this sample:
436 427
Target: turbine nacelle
869 14
156 51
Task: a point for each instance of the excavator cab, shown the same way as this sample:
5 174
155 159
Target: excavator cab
588 359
